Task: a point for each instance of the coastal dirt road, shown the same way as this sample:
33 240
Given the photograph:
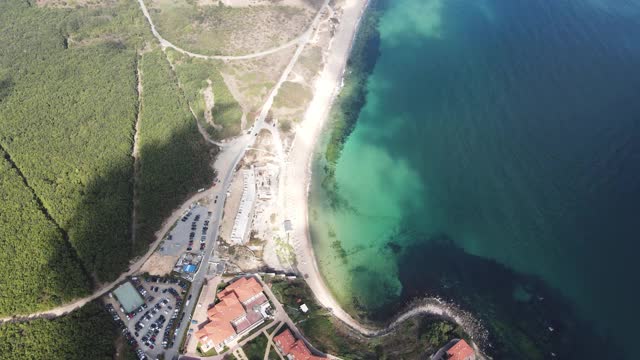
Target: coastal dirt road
302 39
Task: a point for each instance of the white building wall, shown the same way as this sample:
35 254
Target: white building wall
243 217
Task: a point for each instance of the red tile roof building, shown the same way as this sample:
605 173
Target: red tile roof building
241 308
461 351
293 349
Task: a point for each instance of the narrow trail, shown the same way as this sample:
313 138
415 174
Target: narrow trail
201 129
209 102
135 153
167 44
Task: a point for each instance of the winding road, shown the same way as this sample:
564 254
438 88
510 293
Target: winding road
300 40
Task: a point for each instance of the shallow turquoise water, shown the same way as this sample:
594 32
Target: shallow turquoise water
510 127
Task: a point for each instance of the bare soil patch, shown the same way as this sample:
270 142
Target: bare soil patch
159 264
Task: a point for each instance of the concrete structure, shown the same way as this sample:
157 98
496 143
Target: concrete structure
128 296
266 181
242 308
243 217
188 265
287 226
293 349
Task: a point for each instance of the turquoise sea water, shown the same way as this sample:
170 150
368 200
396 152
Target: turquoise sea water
496 162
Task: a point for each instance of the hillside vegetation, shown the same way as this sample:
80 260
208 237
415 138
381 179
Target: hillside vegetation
175 159
88 333
68 106
193 75
38 267
415 338
66 120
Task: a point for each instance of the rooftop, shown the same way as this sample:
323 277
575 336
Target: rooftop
292 348
461 351
244 288
230 317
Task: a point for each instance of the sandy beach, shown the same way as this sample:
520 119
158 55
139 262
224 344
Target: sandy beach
297 179
298 175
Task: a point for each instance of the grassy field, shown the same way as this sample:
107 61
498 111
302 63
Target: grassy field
88 333
255 348
193 75
292 95
273 355
414 338
225 30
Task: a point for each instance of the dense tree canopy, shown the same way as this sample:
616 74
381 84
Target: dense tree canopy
68 107
38 267
67 123
175 159
88 333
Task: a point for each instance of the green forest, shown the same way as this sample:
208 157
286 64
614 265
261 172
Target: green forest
175 159
66 119
68 107
38 267
193 75
88 333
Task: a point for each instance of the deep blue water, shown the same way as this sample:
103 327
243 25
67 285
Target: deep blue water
512 129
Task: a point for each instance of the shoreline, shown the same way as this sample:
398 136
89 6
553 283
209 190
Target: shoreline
297 183
298 170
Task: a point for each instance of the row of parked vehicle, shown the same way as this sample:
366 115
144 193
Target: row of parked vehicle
112 311
186 217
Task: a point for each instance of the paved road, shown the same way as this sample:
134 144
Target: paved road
302 39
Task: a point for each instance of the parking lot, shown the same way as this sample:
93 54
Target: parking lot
189 234
153 327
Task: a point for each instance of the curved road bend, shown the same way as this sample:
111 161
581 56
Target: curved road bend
297 41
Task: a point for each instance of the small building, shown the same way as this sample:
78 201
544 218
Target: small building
455 350
461 351
293 349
